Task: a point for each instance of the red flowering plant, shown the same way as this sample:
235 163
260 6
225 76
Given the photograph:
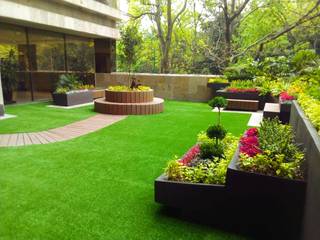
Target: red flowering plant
285 97
190 155
242 90
249 143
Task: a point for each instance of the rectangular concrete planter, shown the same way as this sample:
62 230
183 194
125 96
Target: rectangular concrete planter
72 98
271 200
1 110
185 194
307 134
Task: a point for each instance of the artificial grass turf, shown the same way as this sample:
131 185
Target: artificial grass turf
37 117
100 186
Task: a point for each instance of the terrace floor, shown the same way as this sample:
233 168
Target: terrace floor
100 185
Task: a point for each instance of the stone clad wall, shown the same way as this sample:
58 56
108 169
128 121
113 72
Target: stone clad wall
168 86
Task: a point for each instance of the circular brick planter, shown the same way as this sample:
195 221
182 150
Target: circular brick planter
129 103
129 97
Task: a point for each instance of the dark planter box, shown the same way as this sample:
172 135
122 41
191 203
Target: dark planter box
307 134
1 110
285 109
247 96
73 98
271 201
217 86
185 195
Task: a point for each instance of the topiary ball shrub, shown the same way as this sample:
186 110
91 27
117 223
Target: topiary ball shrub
209 151
216 132
219 102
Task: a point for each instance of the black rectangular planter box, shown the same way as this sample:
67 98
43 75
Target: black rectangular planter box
185 194
307 134
285 109
217 86
246 96
72 98
275 202
1 110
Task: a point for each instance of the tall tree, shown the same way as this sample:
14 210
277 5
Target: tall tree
161 13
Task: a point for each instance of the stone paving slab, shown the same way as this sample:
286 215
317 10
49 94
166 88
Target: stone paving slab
59 134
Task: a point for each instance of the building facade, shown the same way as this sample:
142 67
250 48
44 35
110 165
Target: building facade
42 39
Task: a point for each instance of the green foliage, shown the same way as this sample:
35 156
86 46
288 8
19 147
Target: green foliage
129 45
123 88
218 80
238 72
210 172
218 102
216 132
279 155
67 82
210 151
311 107
9 67
304 59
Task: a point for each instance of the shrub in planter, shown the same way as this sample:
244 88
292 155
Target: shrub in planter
192 168
271 150
70 91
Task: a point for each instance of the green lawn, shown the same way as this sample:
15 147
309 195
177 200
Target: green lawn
100 186
38 117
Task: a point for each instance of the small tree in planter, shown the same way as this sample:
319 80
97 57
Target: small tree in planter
130 39
218 102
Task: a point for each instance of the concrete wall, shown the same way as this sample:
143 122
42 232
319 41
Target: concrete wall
84 18
169 86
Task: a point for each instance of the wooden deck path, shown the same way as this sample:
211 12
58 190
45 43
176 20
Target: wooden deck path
64 133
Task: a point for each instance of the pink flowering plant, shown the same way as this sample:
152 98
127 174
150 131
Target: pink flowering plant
285 97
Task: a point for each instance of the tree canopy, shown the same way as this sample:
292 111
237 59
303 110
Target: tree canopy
206 36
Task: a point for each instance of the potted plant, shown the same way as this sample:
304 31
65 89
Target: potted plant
9 68
71 92
285 101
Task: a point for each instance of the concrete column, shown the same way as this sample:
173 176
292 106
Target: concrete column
1 97
104 55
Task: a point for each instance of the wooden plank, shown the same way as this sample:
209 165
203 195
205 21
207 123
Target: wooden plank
4 140
27 140
13 140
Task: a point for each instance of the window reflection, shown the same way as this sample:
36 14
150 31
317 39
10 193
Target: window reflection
80 54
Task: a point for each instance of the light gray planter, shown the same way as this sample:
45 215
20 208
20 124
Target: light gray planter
72 98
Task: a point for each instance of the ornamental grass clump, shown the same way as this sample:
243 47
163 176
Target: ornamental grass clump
271 150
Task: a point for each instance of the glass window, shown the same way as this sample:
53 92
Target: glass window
48 50
13 54
80 54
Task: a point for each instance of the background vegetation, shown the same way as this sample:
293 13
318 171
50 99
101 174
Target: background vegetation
206 36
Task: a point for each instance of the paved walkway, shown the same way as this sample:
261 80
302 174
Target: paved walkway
67 132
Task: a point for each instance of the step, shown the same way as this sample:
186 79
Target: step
243 104
271 110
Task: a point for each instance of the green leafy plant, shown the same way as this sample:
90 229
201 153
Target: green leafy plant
216 132
218 102
9 68
278 154
202 171
123 88
67 82
218 80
